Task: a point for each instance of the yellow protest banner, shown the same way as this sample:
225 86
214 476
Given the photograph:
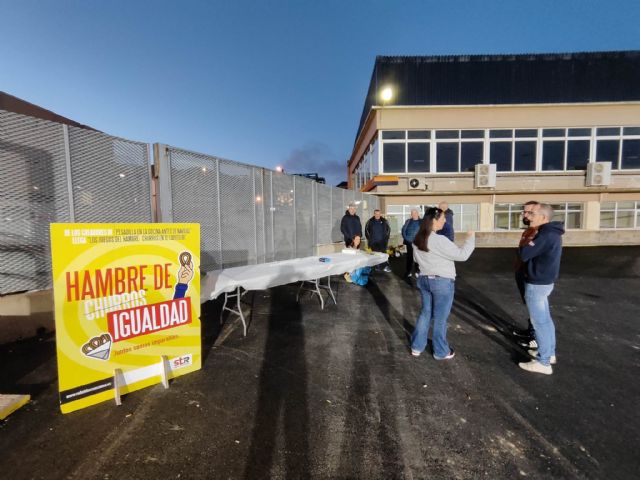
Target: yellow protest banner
127 307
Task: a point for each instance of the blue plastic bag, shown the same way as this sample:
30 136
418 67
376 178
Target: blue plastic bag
360 276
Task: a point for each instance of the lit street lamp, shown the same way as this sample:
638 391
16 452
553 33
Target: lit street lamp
386 94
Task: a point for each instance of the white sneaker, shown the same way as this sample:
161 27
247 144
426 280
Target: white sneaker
536 367
534 354
387 269
446 357
415 353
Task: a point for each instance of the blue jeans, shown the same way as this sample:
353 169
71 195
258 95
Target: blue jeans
437 298
537 298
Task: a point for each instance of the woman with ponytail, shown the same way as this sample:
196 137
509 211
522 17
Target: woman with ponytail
435 255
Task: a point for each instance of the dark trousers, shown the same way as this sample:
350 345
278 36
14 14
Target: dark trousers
411 265
379 247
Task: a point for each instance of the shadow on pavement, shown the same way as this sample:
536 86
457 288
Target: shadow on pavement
479 311
396 320
20 359
281 421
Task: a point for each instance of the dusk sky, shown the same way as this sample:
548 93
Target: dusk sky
264 82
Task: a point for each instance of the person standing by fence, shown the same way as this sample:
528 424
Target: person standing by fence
377 231
409 230
351 227
435 255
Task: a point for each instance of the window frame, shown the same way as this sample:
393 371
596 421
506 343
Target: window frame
540 139
635 210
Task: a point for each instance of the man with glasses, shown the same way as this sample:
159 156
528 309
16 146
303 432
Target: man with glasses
525 337
541 257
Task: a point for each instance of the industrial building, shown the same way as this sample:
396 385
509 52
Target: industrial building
487 133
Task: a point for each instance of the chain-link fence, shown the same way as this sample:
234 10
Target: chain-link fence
58 173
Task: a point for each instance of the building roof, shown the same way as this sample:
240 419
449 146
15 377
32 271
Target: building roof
13 104
506 79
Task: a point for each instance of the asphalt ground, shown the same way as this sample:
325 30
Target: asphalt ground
335 394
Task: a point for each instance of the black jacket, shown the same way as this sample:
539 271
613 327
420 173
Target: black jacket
542 254
350 227
377 231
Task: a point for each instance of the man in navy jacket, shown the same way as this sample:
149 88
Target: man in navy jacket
351 227
541 257
377 231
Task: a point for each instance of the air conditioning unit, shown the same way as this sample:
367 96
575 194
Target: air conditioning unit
485 175
598 174
417 183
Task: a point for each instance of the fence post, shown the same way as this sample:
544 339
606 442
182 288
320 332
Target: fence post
162 176
67 160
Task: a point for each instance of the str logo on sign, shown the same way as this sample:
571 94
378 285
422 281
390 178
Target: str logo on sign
180 362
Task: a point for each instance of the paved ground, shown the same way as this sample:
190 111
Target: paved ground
335 393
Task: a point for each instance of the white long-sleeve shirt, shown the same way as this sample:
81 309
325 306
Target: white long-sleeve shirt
441 255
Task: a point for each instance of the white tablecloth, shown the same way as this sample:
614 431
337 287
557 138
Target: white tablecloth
267 275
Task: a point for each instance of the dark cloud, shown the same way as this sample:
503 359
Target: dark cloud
317 157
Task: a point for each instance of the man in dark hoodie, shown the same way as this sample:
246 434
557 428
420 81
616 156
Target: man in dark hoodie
351 227
526 337
541 256
409 230
447 229
377 231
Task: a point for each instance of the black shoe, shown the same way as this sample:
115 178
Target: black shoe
523 333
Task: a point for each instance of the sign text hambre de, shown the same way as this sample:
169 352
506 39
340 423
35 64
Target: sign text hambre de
130 285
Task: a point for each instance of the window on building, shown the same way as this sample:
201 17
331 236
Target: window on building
465 216
552 155
471 153
394 134
622 215
511 150
608 151
375 169
447 134
393 160
447 157
630 154
500 154
578 154
620 146
507 216
472 134
524 158
418 157
398 214
418 134
568 213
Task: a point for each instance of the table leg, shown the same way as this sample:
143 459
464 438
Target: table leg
319 293
328 287
238 310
